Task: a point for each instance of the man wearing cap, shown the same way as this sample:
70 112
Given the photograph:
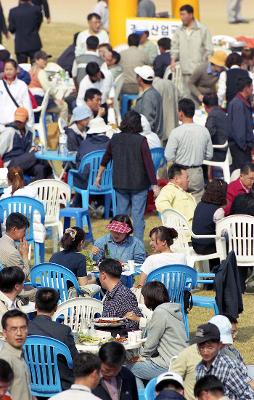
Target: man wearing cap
76 131
205 76
235 380
169 386
149 102
16 147
25 21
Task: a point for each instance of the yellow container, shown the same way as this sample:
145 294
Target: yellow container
119 11
176 4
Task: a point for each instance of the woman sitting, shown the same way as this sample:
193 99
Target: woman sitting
16 185
162 239
71 256
76 131
166 335
119 244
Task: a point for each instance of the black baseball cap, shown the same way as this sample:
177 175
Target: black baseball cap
41 55
206 333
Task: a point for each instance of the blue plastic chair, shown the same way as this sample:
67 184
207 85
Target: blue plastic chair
125 100
41 355
158 158
93 162
81 217
150 390
27 207
54 276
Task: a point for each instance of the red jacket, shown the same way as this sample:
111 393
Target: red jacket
234 189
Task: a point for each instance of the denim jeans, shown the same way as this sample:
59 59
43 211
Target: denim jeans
145 370
134 205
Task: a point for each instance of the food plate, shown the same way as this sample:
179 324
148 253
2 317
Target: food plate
108 322
89 340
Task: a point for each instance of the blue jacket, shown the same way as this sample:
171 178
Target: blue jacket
169 395
240 122
13 143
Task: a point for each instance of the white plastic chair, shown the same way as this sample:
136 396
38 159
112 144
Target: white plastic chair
76 311
172 218
224 165
61 125
41 126
177 78
53 193
238 232
223 41
235 175
25 66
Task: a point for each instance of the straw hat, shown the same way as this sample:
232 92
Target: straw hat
218 58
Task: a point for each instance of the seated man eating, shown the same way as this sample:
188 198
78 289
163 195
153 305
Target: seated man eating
119 300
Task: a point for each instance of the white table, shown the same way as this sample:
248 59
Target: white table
95 348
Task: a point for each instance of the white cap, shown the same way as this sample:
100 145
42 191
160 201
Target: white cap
225 328
145 72
169 376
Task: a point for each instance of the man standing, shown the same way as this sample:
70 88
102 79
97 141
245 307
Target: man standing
149 102
163 60
15 324
43 4
191 45
189 145
3 27
234 12
25 21
240 124
101 9
148 46
146 9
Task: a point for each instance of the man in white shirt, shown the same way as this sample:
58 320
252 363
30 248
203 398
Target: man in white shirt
101 8
86 370
11 285
95 79
94 29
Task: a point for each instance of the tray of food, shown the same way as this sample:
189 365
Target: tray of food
108 322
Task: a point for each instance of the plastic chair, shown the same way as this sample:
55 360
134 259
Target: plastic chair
53 194
61 125
41 355
41 126
126 98
75 311
224 165
93 161
81 217
150 393
54 276
235 175
158 158
30 208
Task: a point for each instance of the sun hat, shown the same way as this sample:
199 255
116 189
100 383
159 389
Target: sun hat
80 113
206 333
218 58
97 125
169 376
225 328
21 114
119 227
145 72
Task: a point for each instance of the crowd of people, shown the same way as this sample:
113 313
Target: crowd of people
161 112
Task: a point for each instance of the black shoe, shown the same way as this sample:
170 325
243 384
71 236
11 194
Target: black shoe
240 21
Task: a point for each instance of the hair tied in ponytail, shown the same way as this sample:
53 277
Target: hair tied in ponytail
16 174
72 232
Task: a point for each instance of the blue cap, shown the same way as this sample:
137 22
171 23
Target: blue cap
81 112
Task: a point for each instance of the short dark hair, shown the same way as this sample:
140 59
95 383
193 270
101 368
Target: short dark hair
9 277
6 372
13 314
249 167
133 39
84 364
92 42
175 170
211 100
116 56
123 218
111 267
92 68
165 43
168 384
242 83
46 299
12 62
107 45
187 106
91 93
4 55
16 220
164 234
93 15
112 354
72 238
208 383
131 122
155 293
215 192
188 8
233 59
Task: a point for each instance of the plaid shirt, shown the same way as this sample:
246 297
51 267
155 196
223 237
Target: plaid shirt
234 379
120 301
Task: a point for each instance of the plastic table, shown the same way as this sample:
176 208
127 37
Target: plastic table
53 155
95 348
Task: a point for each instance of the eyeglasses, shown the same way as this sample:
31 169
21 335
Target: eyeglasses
14 329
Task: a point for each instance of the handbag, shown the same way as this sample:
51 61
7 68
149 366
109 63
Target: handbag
9 93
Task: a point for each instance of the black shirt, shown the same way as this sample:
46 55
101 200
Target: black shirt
74 261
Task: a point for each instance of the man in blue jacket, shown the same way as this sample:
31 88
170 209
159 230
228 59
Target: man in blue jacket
240 124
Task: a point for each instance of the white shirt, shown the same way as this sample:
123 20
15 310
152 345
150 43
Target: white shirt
101 8
156 261
19 91
77 392
104 85
81 40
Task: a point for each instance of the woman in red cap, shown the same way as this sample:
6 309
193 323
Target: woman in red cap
119 243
